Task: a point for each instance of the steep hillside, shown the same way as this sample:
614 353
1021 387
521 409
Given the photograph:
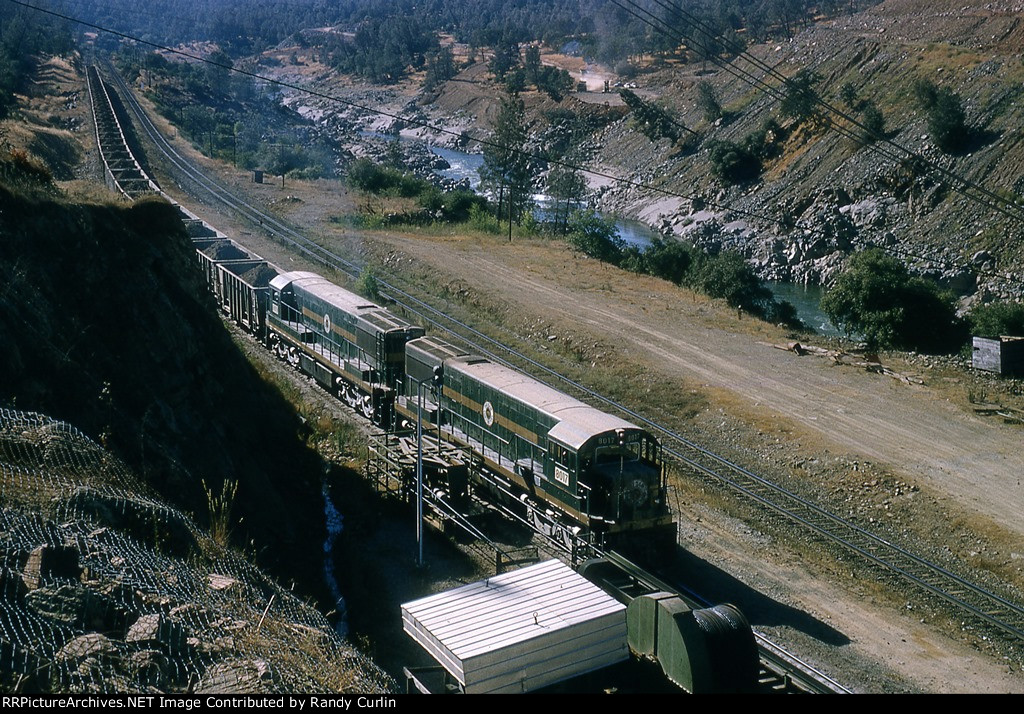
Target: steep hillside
824 190
105 323
106 588
822 195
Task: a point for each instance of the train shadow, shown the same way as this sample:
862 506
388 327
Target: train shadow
760 609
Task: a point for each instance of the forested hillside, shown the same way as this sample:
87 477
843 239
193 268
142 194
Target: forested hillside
609 30
25 35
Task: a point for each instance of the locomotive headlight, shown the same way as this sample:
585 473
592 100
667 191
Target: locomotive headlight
621 434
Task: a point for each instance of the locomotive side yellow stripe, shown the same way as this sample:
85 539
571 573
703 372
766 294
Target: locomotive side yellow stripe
319 320
498 418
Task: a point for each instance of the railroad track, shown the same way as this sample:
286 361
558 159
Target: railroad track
122 170
972 600
780 671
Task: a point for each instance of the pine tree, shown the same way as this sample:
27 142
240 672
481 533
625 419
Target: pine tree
531 65
440 68
565 184
507 171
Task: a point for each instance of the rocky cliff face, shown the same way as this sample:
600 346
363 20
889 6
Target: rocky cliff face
105 323
823 195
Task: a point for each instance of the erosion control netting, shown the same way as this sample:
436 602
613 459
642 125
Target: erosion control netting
103 588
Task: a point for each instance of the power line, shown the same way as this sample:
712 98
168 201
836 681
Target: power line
965 186
465 137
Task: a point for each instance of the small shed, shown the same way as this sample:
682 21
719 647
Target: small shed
522 630
1003 356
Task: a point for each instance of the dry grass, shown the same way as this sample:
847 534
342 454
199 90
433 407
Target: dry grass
219 507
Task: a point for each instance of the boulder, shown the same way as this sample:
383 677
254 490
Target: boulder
48 561
156 630
237 676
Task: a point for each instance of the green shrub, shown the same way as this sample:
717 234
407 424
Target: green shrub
734 163
670 260
947 123
454 206
877 298
729 277
368 285
595 236
481 219
997 319
874 123
367 176
801 99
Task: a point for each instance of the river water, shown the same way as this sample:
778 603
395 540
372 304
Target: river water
807 301
805 298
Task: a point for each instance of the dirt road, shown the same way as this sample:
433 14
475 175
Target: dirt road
911 429
689 343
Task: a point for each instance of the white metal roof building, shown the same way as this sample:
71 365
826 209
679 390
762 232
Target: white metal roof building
522 630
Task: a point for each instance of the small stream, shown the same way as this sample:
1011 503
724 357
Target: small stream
335 524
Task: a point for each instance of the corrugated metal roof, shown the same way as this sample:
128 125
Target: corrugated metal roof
578 421
520 630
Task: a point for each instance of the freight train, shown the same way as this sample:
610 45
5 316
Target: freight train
575 470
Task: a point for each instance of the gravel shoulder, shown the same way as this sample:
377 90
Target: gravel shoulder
910 429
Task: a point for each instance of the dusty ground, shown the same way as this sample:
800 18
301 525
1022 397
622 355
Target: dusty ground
859 636
911 430
800 409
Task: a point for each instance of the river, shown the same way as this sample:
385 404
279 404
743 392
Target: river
805 298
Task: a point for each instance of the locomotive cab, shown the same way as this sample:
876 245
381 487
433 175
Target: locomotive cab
620 473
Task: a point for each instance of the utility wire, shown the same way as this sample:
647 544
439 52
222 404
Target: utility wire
465 137
964 185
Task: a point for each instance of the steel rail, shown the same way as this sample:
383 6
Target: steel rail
789 668
986 605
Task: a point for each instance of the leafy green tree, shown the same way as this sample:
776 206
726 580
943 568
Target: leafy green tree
947 123
997 319
654 122
728 276
554 82
507 170
734 163
218 74
877 298
801 100
873 121
669 259
707 101
440 68
848 95
531 65
567 187
515 80
505 59
595 236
